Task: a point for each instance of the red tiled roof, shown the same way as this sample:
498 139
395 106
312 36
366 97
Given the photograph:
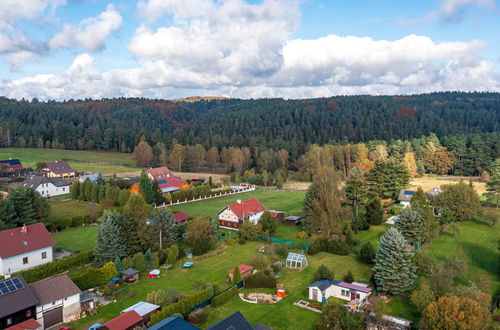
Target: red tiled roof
15 241
160 172
173 181
275 213
29 324
247 208
243 269
180 217
13 165
123 321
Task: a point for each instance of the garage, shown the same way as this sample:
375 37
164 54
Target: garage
52 317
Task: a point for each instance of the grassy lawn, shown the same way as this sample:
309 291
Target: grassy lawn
282 315
479 240
93 161
372 235
69 209
76 239
287 232
289 202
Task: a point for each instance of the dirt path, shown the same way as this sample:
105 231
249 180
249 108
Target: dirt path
429 182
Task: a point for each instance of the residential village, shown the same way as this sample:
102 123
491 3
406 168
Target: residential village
172 253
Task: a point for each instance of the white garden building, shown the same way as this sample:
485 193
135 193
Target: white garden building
296 261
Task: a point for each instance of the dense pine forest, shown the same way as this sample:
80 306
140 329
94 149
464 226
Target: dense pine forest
467 124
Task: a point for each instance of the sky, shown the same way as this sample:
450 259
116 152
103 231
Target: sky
77 49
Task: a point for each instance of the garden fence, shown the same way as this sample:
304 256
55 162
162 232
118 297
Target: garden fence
207 302
195 199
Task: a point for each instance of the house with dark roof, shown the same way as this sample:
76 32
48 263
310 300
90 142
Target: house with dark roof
173 323
93 177
59 300
47 187
405 196
126 321
11 166
325 288
233 321
25 247
29 324
233 216
58 169
17 302
159 173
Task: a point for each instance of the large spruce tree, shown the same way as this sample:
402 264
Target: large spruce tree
161 231
374 212
411 224
393 270
130 232
109 239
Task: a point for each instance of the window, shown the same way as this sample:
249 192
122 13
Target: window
28 313
64 189
25 260
44 255
9 321
357 296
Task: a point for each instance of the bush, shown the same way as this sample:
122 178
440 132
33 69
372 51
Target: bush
60 224
77 221
250 231
259 261
332 246
224 297
322 272
302 235
88 278
56 267
425 263
367 253
242 241
158 297
349 277
198 316
183 306
260 280
232 242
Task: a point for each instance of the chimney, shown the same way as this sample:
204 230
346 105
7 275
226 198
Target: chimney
238 201
24 229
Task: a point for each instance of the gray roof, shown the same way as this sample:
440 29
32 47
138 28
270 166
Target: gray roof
293 217
235 321
405 195
17 300
142 308
130 271
93 177
58 167
323 284
34 181
54 288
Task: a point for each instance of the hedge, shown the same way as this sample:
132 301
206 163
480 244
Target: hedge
56 267
260 280
224 297
88 278
183 307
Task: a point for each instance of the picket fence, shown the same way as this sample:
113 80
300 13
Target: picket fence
215 195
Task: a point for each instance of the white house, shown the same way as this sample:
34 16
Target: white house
47 187
323 289
59 300
233 216
25 247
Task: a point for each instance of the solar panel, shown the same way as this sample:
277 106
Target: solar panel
10 285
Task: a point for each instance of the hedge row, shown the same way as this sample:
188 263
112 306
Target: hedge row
184 306
224 297
65 223
88 278
56 267
260 280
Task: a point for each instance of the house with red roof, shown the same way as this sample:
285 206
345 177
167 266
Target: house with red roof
233 216
11 166
125 321
245 271
167 181
180 217
25 247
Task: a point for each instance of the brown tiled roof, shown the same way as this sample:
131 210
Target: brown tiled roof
17 300
54 288
58 167
17 241
160 172
247 208
123 321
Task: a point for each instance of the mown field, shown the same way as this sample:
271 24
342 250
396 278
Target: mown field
289 202
91 161
76 239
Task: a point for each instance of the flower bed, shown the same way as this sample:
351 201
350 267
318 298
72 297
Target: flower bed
260 298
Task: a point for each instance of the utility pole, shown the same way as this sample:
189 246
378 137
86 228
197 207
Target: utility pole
160 238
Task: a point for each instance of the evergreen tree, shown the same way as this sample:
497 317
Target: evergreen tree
419 202
146 188
322 273
460 200
171 257
493 184
119 265
109 239
356 191
236 274
374 212
149 258
75 190
87 190
393 270
349 277
157 194
22 199
102 192
367 253
386 179
7 214
94 194
268 223
162 227
123 197
41 207
335 316
411 225
308 207
130 230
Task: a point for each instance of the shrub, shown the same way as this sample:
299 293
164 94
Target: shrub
60 223
260 280
322 272
183 306
139 262
158 297
232 242
171 296
224 297
77 221
56 267
198 316
250 231
349 277
367 253
88 278
302 234
332 246
108 271
259 261
242 241
425 263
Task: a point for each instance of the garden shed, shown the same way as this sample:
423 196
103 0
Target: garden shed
296 261
130 275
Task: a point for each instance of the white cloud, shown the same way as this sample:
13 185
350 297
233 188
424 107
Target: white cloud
90 34
13 10
181 9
